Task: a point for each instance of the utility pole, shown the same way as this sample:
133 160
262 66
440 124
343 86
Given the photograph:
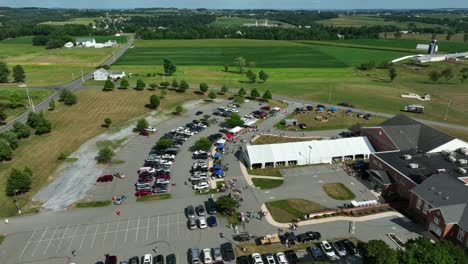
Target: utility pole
30 101
446 111
329 95
82 77
310 148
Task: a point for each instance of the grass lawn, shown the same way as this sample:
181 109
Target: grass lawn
73 126
266 139
153 197
268 171
267 183
77 21
283 211
338 191
335 121
93 204
37 95
2 237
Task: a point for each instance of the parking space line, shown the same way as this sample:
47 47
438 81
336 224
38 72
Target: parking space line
138 227
63 236
147 228
126 232
168 225
39 242
177 219
157 230
115 237
27 244
95 233
105 233
50 241
84 236
73 237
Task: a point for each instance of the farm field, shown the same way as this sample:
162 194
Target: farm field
309 72
50 67
78 21
73 126
427 37
37 95
227 22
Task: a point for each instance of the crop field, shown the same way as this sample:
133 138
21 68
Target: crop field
227 22
73 126
77 21
37 95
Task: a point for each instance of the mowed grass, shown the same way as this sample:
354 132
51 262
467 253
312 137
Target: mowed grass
77 21
284 211
267 139
37 95
264 184
338 191
73 126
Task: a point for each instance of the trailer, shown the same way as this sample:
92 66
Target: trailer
414 109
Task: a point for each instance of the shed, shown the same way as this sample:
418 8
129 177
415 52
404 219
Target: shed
290 122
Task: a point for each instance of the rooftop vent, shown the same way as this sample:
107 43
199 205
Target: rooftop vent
439 193
452 154
413 165
463 151
432 188
446 197
461 170
452 159
441 170
462 161
406 157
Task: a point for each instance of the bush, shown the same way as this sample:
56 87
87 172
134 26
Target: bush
183 86
62 156
367 66
202 144
21 130
212 95
140 85
124 84
108 86
203 87
154 101
107 122
141 125
43 126
33 118
178 110
105 155
11 137
6 152
67 97
234 120
164 84
164 143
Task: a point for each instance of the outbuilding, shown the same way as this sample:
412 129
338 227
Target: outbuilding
290 122
101 74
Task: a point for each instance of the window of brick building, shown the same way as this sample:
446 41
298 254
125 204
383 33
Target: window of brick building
436 220
418 203
425 208
461 234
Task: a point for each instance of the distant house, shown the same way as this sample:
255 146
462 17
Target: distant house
111 43
117 74
86 42
68 45
101 74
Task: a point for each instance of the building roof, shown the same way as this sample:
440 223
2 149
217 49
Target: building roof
313 152
84 39
102 70
428 164
447 193
382 176
408 133
117 72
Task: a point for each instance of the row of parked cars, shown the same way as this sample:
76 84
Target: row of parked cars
227 111
181 134
202 216
150 259
216 255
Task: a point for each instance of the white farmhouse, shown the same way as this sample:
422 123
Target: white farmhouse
117 74
86 42
101 74
111 43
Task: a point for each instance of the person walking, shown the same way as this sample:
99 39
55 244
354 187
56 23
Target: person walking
74 252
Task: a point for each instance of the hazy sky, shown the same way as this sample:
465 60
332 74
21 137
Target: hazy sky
242 4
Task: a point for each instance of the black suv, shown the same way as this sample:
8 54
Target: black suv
314 235
227 252
291 257
350 247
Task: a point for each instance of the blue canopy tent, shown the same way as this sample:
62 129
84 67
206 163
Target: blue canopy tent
218 172
217 156
333 108
349 111
221 146
217 166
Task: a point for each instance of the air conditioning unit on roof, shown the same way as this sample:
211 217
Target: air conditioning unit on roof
463 151
461 170
441 170
452 159
413 165
407 157
462 161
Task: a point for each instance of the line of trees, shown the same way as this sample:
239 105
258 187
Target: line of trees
448 74
18 73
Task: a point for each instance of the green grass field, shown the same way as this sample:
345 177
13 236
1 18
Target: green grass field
227 22
37 95
77 21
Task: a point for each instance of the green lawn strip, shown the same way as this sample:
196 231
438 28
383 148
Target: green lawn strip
110 143
284 211
267 183
2 237
268 171
37 95
153 197
93 204
338 191
267 139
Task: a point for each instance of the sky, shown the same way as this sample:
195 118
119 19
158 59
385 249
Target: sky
241 4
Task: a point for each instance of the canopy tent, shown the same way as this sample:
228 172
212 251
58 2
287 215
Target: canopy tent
218 172
333 108
349 111
228 136
221 146
309 152
250 122
217 156
236 129
221 141
217 166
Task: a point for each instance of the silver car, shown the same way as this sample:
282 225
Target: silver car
120 199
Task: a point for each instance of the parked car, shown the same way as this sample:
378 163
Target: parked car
134 260
110 260
142 184
120 199
339 248
243 260
146 169
200 210
192 224
199 113
143 193
291 257
303 238
202 223
105 178
145 179
147 259
207 259
316 252
171 259
211 206
326 247
190 212
144 133
201 186
120 175
314 235
256 258
162 181
227 252
281 258
194 255
349 246
269 259
212 221
151 129
159 259
216 253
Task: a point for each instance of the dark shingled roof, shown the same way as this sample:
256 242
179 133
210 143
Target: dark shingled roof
408 133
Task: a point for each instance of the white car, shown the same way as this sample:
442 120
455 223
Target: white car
281 258
269 259
202 223
250 116
233 110
148 259
162 181
232 105
207 256
151 129
246 100
257 258
328 250
146 169
201 186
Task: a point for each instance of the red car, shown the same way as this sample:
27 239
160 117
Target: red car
143 193
105 178
266 108
165 177
145 179
144 133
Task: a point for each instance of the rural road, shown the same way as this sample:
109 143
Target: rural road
74 85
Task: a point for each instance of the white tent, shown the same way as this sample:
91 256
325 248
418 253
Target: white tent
221 141
309 152
249 122
235 130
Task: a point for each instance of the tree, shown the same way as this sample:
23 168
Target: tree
254 93
5 150
16 100
169 67
108 86
179 109
251 76
234 120
105 155
263 76
212 95
11 137
465 37
422 250
449 36
463 74
174 84
43 126
397 35
203 87
202 144
447 74
224 89
154 101
267 95
33 118
225 203
183 86
3 115
140 85
141 125
4 72
240 63
164 143
226 67
52 105
67 97
242 92
40 40
124 84
107 122
19 181
367 66
238 99
21 130
18 73
434 75
378 252
164 84
392 73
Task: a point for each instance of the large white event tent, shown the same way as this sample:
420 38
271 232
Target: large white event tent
308 152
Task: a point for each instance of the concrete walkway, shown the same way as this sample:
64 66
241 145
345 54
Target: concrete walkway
272 222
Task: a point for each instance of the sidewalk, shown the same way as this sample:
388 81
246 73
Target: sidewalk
249 177
272 222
